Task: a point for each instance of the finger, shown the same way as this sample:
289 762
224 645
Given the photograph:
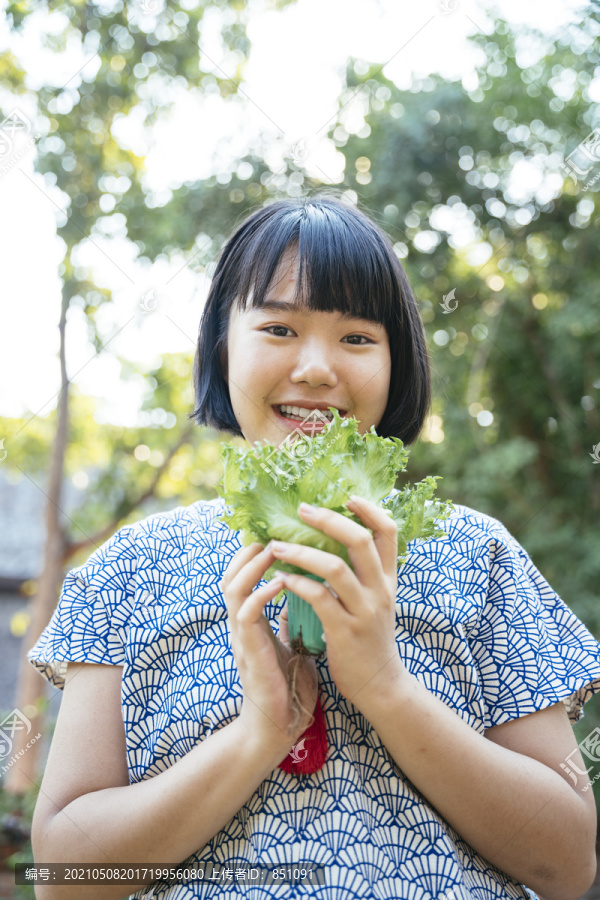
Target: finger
251 613
385 531
326 606
243 624
331 568
284 630
362 551
246 577
238 561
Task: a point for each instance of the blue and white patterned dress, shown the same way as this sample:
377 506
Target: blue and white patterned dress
477 624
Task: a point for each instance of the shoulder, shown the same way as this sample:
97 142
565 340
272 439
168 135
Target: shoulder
467 528
163 535
465 522
181 530
177 523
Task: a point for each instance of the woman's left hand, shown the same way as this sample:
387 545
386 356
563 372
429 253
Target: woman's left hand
359 624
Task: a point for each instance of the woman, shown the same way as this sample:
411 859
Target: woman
447 687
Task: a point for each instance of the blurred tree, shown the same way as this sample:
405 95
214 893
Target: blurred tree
469 185
142 55
119 470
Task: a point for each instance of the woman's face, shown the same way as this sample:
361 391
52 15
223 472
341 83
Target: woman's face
303 358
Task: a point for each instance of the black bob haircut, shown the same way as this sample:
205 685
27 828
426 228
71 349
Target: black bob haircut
346 264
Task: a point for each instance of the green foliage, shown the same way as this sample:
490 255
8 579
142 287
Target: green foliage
114 466
521 342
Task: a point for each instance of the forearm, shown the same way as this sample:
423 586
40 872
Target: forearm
163 819
516 812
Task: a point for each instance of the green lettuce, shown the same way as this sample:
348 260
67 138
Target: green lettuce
263 486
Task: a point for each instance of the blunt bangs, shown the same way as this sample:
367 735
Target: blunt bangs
346 265
341 269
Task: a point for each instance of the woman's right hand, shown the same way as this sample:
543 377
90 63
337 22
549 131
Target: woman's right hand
270 708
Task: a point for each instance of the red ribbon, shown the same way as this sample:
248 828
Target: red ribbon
308 754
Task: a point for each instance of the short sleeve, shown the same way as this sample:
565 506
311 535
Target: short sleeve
92 610
530 649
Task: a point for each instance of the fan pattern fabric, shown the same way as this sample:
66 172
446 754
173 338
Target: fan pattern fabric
476 623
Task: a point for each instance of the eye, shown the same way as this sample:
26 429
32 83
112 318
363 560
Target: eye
270 327
361 337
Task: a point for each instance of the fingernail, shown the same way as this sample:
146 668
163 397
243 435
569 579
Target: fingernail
306 508
269 546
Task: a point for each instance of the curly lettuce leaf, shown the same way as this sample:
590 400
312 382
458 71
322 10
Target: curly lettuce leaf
263 486
415 513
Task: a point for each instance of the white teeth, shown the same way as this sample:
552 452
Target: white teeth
301 411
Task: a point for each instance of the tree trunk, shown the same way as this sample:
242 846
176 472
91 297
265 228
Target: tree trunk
24 769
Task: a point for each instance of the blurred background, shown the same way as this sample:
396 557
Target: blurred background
135 137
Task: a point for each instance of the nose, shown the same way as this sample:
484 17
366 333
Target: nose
314 364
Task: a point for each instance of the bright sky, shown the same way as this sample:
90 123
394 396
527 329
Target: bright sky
292 82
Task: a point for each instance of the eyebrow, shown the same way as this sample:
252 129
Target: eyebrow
285 306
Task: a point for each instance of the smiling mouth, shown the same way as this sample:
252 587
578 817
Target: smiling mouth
305 417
